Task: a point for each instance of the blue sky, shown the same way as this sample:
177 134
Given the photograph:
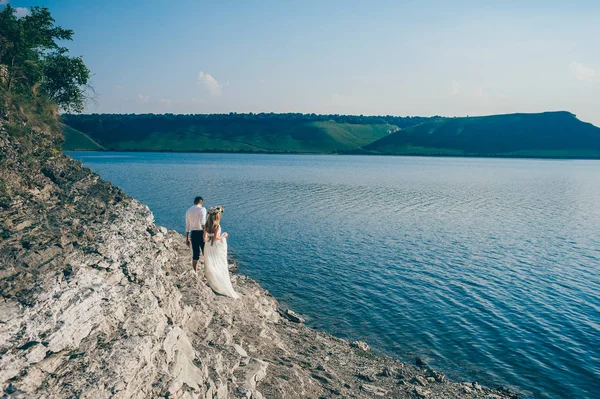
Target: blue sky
449 58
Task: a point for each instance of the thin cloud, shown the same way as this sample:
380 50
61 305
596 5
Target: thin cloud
455 88
583 72
215 88
21 12
143 99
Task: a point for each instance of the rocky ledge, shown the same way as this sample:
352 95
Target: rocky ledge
96 301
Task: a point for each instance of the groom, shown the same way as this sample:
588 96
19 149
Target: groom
195 219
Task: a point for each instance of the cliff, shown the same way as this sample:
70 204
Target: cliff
96 301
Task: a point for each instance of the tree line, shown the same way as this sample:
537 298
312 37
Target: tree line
135 126
400 121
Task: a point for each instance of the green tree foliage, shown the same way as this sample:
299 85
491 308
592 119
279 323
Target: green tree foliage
32 60
62 80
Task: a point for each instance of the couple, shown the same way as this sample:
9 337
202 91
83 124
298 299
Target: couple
204 233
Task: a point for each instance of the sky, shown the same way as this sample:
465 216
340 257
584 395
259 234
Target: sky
450 58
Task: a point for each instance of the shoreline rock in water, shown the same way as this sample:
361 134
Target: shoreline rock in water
98 302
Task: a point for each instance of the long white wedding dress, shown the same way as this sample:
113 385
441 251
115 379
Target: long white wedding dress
216 268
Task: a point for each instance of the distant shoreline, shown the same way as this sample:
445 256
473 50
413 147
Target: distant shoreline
352 153
547 135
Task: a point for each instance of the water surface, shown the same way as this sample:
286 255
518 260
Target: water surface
487 268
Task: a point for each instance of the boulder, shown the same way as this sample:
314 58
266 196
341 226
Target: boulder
293 316
360 345
419 380
421 393
375 390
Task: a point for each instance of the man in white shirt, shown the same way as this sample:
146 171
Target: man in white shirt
195 219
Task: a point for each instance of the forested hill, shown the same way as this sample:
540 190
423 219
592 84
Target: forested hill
549 134
231 132
543 135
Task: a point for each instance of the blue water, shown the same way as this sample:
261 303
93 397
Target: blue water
487 268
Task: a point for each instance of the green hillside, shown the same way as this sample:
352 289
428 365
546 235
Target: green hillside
308 133
77 141
544 135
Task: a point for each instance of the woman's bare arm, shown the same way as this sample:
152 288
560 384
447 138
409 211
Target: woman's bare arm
216 235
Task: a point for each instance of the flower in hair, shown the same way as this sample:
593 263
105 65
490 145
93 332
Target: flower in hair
213 210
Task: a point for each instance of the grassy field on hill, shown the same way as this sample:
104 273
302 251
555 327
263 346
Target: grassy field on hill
544 135
314 137
77 141
255 133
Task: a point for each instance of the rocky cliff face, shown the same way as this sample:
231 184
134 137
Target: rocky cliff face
98 302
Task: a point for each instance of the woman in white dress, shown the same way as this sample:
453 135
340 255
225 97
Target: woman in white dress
216 268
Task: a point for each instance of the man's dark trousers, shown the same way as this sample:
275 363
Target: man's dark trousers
197 237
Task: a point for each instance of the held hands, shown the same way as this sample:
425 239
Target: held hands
224 235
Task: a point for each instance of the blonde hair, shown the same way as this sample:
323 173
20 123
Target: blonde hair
213 222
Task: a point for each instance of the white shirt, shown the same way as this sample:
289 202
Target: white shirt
195 218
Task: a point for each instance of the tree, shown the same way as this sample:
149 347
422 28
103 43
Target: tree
64 79
32 59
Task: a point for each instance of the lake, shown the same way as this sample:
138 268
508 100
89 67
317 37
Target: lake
489 269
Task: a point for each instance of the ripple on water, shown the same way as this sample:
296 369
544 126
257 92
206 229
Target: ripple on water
487 268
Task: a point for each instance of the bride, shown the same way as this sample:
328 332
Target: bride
216 268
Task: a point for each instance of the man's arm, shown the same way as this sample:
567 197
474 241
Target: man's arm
187 229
